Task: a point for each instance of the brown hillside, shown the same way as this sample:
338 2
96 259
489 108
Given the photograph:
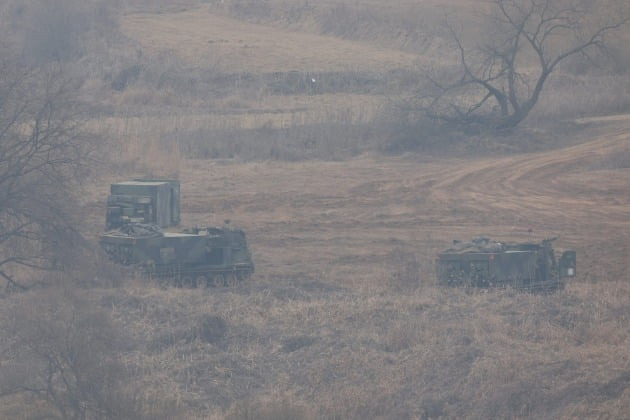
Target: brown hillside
284 117
342 318
226 44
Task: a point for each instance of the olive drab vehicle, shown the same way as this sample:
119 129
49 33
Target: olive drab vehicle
196 257
484 263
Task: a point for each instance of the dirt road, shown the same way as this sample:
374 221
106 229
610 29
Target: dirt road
344 222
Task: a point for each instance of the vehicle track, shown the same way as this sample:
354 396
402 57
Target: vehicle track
545 186
321 217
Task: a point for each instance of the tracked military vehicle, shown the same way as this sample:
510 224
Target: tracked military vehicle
485 263
210 256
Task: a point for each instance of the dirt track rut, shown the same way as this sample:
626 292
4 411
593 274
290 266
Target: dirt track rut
342 221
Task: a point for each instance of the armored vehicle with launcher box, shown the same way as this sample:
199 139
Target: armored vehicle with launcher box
150 201
195 257
485 263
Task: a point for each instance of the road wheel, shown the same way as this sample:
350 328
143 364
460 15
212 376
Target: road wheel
231 280
219 279
210 280
189 282
201 280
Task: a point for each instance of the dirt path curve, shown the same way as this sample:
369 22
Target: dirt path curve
555 188
343 221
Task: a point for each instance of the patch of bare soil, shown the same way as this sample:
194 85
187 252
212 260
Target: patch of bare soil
345 218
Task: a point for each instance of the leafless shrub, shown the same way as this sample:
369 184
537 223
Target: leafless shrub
494 85
44 153
59 350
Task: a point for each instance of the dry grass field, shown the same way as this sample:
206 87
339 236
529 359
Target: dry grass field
226 44
343 318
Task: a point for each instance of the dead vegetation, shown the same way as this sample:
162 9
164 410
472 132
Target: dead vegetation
291 98
426 353
342 319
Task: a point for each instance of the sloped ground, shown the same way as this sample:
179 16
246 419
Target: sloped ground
343 315
225 44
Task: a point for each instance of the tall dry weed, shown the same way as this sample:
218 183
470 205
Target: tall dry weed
149 156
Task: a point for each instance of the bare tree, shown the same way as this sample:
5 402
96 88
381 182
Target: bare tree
43 153
499 81
60 356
